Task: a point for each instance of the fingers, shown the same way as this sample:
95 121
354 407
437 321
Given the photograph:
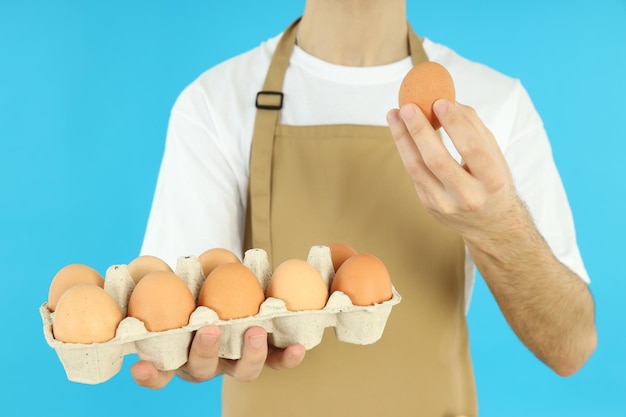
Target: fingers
203 360
146 375
474 142
257 353
424 156
254 354
287 358
434 153
442 183
407 147
411 157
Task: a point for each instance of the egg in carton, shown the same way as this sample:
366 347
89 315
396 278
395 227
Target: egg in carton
98 362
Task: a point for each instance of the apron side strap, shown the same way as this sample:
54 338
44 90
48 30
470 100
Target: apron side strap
268 102
416 48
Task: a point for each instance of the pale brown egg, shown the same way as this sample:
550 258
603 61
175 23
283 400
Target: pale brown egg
339 252
162 301
68 276
423 85
144 264
215 257
86 313
299 285
232 291
365 279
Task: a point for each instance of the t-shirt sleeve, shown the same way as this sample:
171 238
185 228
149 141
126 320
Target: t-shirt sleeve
197 203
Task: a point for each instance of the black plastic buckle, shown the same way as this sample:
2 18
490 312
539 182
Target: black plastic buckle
270 106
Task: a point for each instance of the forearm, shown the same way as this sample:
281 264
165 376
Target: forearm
547 305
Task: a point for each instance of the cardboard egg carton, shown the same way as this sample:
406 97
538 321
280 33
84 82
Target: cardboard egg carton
96 363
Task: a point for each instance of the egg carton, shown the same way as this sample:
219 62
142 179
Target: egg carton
98 362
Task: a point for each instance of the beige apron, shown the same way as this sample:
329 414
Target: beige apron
312 185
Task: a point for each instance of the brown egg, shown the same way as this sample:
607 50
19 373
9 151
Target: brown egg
144 264
299 285
215 257
86 313
232 291
68 276
162 301
339 252
423 85
365 279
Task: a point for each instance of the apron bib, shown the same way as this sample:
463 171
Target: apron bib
316 185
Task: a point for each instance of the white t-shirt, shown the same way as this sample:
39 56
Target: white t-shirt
201 193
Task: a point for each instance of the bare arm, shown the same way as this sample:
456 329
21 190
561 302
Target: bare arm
548 306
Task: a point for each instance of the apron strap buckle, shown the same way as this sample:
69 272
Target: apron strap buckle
269 100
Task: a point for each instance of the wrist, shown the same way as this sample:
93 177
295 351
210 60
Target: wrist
508 235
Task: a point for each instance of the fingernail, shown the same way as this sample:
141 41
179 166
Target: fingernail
257 341
407 112
208 339
441 106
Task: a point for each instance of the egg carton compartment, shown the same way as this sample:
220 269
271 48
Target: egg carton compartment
98 362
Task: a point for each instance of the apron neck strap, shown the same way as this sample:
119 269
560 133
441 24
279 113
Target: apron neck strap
280 61
269 102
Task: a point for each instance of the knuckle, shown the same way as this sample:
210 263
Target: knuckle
200 367
473 203
418 128
497 184
248 376
438 162
469 149
199 375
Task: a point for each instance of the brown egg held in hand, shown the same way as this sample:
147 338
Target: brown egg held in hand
86 313
424 84
232 291
339 252
68 276
144 264
215 257
365 279
162 301
299 285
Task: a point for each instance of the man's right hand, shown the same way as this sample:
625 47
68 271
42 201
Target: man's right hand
204 362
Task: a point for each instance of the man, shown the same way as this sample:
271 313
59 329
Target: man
486 196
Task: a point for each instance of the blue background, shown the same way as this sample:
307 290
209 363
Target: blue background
85 92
